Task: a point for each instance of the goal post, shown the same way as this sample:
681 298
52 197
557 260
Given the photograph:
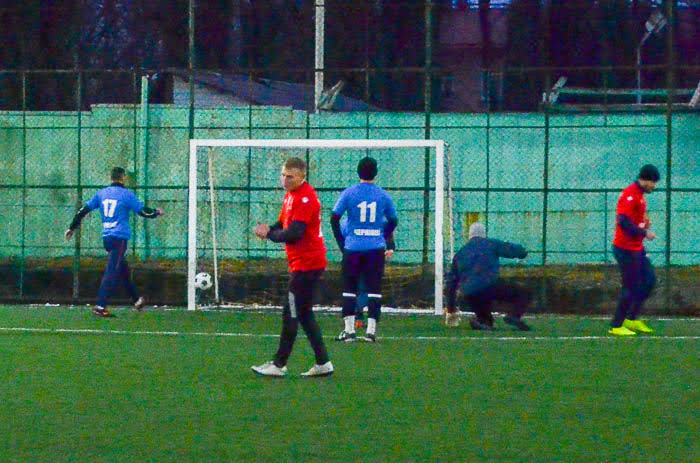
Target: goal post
195 186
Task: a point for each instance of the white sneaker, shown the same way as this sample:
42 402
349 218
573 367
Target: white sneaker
270 369
452 320
320 370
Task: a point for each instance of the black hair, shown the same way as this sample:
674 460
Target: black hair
367 168
649 172
118 174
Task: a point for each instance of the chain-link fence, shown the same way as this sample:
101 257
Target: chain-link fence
546 125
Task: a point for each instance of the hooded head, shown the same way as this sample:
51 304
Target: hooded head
477 229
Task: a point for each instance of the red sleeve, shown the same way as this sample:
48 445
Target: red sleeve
280 219
626 204
303 208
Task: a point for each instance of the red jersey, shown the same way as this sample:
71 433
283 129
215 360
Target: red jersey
632 204
309 252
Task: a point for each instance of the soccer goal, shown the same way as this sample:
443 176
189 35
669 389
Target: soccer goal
234 184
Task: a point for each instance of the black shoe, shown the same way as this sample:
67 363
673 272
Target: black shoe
100 312
477 325
370 338
516 323
344 336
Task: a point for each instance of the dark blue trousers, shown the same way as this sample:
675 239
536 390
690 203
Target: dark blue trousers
638 280
362 299
367 266
482 301
116 272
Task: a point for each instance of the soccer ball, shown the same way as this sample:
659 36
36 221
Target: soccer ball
202 281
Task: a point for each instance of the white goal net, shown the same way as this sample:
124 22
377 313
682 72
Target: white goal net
234 184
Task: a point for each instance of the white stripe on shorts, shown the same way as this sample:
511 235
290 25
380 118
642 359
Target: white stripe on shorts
292 305
349 295
374 296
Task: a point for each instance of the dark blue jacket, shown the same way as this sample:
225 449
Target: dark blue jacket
475 266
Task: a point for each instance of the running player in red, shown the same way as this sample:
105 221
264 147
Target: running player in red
299 227
632 228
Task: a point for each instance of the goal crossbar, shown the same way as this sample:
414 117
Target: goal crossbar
438 145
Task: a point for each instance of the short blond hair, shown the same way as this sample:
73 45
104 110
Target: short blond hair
295 163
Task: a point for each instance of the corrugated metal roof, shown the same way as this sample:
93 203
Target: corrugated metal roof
237 90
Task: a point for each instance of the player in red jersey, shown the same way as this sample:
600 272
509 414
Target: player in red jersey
299 227
632 228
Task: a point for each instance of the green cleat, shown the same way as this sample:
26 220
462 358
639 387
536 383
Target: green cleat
637 326
621 331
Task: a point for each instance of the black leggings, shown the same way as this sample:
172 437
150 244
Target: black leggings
298 309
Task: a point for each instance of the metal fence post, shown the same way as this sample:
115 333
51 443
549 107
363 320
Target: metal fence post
78 234
427 109
22 264
670 84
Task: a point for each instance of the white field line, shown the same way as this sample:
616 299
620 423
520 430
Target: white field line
9 329
128 332
337 309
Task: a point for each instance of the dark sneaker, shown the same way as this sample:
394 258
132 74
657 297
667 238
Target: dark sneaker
477 325
516 323
370 338
140 302
346 337
102 312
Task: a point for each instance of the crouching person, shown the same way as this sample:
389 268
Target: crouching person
473 281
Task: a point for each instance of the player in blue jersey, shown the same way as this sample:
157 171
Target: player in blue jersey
115 203
371 220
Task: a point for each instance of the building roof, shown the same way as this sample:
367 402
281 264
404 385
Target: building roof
218 89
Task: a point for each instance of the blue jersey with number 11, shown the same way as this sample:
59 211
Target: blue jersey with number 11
368 208
115 203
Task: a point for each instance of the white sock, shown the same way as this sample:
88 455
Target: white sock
349 323
371 326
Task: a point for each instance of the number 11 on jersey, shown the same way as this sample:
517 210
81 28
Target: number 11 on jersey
372 211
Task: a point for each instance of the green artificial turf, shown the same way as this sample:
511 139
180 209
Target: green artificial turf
177 386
